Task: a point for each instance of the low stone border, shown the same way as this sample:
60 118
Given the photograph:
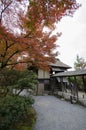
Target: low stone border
72 98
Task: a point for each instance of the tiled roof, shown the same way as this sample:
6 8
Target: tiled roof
58 63
57 69
70 73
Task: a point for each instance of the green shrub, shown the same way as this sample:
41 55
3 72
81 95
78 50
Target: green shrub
19 80
28 122
13 109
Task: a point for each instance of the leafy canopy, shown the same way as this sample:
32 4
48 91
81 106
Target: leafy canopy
22 39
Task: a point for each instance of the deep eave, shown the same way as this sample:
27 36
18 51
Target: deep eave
60 64
71 73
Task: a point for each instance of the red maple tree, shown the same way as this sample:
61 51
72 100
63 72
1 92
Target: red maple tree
32 45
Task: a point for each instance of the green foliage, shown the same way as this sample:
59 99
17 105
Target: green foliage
28 122
79 82
71 79
10 79
12 110
79 63
27 81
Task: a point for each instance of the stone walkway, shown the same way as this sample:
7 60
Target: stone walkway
55 114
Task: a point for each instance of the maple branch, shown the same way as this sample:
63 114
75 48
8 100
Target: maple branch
4 64
5 52
6 48
15 63
19 62
11 45
4 9
17 51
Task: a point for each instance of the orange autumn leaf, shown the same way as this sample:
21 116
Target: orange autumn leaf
32 43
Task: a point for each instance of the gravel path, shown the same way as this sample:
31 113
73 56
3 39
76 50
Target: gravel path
55 114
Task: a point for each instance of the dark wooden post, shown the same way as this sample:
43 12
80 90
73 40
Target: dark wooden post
84 85
83 82
71 89
53 84
76 87
62 86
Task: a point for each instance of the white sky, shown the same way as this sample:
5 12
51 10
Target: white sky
73 39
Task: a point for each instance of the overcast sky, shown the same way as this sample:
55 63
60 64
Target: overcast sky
73 39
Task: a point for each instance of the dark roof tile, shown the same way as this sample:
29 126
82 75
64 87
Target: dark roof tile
70 73
58 63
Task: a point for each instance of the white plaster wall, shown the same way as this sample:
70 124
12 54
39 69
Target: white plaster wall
47 74
43 74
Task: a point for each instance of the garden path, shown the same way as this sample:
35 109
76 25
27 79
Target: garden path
56 114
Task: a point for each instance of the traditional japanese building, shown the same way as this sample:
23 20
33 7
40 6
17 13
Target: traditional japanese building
46 82
74 90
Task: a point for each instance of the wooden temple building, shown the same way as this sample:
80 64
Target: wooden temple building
57 79
45 81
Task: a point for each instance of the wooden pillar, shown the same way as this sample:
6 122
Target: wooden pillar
53 84
62 86
83 83
76 87
70 87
